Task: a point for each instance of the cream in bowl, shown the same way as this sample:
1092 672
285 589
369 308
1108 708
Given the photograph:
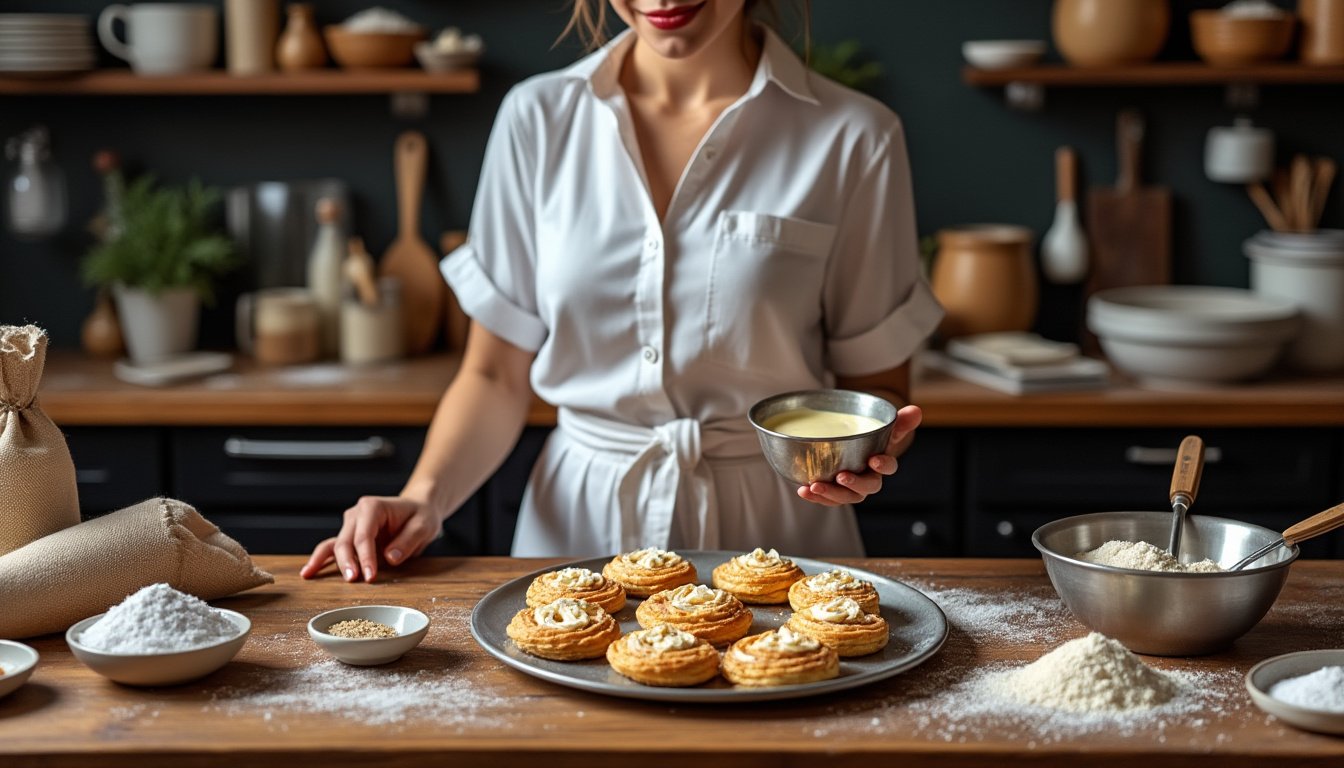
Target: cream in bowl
813 435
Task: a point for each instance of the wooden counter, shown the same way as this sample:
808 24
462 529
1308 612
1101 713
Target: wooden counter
78 391
245 714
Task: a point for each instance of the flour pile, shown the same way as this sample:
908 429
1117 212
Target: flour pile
1090 674
1142 556
158 619
1321 690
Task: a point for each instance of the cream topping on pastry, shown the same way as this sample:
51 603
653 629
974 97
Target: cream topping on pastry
759 558
651 558
838 610
567 614
785 640
834 581
664 638
696 597
577 578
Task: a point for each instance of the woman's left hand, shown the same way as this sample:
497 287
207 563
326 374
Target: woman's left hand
850 488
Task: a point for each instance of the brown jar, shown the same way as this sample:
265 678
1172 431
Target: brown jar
1099 33
300 45
1322 31
985 279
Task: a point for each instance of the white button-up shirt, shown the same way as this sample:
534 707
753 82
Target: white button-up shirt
787 256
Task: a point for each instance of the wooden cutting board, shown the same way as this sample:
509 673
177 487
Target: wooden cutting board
1128 225
409 258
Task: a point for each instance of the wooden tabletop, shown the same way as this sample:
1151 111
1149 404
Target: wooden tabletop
281 703
81 391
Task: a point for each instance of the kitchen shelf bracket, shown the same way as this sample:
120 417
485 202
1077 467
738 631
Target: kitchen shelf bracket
1025 97
409 105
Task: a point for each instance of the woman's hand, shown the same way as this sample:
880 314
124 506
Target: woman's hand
850 488
411 525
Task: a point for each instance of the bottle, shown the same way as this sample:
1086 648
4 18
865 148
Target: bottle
36 187
300 45
325 271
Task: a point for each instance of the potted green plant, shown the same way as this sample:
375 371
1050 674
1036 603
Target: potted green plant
161 264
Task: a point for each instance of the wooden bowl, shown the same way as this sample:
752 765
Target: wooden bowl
371 50
1225 40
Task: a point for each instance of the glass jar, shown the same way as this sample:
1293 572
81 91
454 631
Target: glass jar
35 204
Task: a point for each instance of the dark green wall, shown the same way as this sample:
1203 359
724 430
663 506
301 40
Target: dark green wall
974 158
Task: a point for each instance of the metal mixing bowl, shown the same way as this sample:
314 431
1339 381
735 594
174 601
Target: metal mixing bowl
806 460
1159 613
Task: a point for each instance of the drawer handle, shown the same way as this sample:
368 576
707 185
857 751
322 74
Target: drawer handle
1165 457
287 450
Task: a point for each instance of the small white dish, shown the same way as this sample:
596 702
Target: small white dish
411 626
189 366
435 60
1264 675
158 668
17 662
1002 54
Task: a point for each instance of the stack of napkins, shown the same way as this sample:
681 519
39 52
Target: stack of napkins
1019 363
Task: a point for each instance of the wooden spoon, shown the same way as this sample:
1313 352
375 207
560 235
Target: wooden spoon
409 258
456 322
1312 527
1262 199
1325 169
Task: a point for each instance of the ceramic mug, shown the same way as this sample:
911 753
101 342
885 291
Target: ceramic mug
279 326
1239 153
162 38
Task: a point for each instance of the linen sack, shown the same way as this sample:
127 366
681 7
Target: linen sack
38 495
84 570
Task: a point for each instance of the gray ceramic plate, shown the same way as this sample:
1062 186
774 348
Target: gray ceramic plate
918 629
1264 675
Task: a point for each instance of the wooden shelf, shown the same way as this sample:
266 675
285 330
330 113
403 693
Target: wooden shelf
121 82
1169 73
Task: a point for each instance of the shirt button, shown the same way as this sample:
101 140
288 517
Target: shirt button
711 153
650 355
653 244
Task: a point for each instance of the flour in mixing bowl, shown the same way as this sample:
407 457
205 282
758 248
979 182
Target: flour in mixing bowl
1142 556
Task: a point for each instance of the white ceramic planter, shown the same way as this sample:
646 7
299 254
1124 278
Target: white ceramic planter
1307 270
157 327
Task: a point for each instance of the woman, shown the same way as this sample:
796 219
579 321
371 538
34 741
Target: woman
676 226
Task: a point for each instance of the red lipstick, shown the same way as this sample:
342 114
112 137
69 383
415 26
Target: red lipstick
673 18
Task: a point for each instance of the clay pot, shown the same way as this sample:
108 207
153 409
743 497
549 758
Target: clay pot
100 334
985 279
1099 33
300 45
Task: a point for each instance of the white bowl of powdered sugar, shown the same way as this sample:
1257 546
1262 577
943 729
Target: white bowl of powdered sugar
158 636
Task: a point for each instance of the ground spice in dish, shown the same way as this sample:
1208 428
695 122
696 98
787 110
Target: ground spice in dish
361 629
1142 556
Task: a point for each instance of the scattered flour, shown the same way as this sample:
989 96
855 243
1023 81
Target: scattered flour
1321 690
1142 556
1090 674
158 619
1004 617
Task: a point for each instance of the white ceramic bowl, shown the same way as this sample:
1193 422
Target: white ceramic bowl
159 668
411 626
17 662
1264 675
1168 335
1002 54
434 60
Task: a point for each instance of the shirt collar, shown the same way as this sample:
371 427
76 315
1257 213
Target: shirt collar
779 64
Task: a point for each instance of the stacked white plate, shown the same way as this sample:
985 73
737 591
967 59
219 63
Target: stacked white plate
45 44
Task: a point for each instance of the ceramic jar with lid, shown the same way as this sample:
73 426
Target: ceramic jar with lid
985 279
1306 269
1239 153
1099 33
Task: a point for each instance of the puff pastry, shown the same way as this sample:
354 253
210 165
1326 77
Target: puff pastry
758 577
779 657
712 614
664 656
565 630
646 571
830 585
842 624
580 583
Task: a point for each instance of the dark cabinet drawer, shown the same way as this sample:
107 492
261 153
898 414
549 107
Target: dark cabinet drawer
116 466
1020 479
915 513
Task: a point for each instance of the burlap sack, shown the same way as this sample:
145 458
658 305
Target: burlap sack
82 571
37 479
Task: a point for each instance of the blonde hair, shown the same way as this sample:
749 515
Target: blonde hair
588 20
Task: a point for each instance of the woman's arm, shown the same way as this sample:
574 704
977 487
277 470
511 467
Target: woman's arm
849 488
477 423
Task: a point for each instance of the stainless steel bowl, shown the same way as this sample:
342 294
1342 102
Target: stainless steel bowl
1159 613
806 460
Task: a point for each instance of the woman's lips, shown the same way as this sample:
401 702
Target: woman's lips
673 18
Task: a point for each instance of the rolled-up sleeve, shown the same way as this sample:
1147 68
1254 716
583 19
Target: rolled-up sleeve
494 274
877 306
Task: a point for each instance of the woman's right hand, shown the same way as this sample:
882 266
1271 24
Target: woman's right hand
410 525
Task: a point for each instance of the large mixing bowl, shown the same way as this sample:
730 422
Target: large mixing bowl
1160 613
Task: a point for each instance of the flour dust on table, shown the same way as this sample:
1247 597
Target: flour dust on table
158 619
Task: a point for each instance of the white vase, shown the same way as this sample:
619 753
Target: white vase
158 326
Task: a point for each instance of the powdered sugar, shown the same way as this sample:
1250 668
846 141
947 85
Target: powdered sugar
1320 690
158 619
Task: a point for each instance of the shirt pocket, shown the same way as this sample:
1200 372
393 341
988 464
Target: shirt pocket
765 287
